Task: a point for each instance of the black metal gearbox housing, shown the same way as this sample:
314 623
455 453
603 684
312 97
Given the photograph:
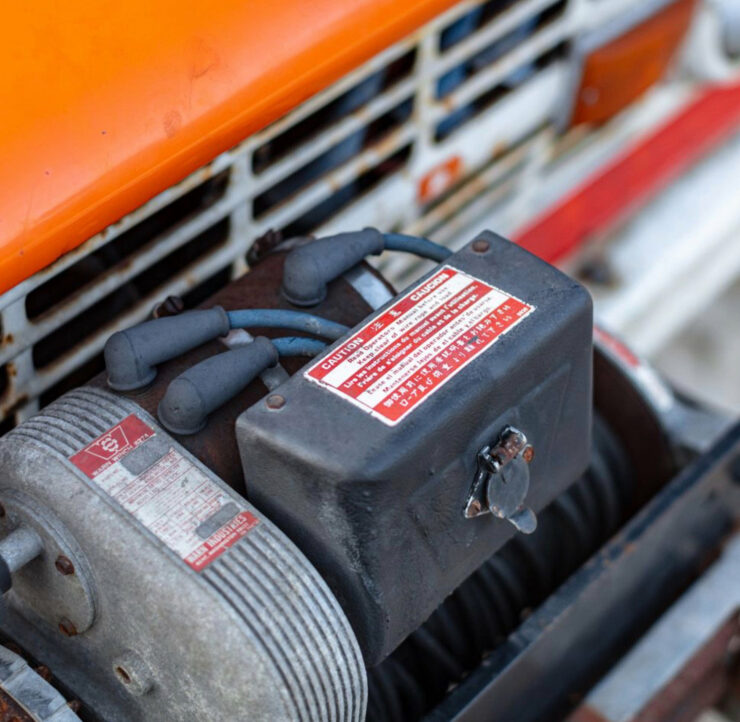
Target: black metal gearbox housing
379 509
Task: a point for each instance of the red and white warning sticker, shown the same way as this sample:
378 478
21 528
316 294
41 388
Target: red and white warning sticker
171 496
397 360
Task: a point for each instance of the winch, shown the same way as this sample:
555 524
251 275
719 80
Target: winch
217 528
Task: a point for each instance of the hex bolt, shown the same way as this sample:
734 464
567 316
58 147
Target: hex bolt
67 628
275 401
64 565
528 454
171 306
481 245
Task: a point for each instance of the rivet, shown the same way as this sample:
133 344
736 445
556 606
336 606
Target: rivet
275 401
481 246
64 565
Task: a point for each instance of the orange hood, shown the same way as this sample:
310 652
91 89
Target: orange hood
105 104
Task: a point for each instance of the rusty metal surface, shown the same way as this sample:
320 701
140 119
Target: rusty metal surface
686 663
699 685
215 445
11 710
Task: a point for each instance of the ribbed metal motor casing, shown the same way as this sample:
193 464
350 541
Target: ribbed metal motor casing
255 634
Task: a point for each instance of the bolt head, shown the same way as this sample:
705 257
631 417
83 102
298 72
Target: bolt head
171 306
64 565
481 245
275 401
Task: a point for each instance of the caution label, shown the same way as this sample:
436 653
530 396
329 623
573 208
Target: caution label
172 497
399 359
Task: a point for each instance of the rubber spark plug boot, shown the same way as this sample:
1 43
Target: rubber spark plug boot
132 355
309 268
197 392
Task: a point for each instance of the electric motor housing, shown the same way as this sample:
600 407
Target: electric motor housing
373 483
245 628
178 599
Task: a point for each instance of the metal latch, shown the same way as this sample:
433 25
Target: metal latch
502 481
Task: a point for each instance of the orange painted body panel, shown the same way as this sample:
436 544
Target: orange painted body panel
106 103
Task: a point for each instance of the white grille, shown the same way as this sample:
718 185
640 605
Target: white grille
478 84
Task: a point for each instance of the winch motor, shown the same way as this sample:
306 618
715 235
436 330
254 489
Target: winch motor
217 529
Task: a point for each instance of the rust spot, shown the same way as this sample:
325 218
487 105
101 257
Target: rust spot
448 104
499 149
475 507
388 143
44 672
12 408
67 628
12 368
9 338
11 711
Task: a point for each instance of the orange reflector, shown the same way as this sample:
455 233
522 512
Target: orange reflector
617 73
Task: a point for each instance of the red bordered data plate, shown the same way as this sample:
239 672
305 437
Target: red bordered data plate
165 491
399 359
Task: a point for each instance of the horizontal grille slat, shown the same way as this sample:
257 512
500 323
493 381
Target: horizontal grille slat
355 153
